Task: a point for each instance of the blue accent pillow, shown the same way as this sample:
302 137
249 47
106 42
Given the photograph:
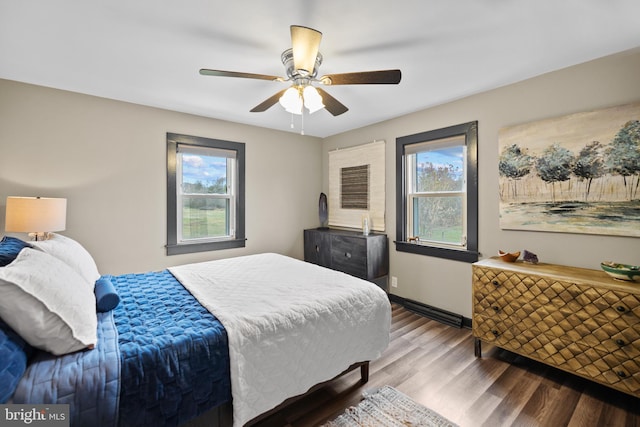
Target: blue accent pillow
14 356
107 297
10 247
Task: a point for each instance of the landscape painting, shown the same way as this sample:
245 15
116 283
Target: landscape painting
578 173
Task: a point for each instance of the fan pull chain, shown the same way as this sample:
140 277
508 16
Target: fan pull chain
302 122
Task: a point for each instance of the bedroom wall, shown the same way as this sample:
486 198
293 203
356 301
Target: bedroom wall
609 81
108 158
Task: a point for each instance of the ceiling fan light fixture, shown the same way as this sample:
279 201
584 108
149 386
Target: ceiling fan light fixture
301 63
292 101
312 99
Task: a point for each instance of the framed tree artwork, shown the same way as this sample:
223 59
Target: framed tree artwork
578 173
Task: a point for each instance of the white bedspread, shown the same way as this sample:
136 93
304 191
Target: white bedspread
290 324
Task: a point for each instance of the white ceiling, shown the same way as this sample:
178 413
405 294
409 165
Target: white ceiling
149 51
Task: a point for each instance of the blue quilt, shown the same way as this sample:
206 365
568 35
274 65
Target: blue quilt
161 360
174 353
85 380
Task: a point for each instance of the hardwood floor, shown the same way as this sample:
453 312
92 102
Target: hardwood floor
434 364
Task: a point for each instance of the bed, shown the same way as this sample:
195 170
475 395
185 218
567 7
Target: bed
240 334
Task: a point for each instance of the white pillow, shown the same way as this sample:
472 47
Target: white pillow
47 303
72 253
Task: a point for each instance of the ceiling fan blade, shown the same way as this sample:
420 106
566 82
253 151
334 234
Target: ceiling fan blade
331 104
268 103
221 73
382 77
305 43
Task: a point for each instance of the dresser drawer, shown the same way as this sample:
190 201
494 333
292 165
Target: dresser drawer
614 369
497 331
317 248
625 344
349 254
494 306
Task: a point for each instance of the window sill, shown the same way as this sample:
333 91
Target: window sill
204 247
452 254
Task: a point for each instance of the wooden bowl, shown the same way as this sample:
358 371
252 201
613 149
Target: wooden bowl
509 256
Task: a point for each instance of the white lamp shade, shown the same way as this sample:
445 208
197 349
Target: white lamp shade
312 99
35 214
292 101
305 43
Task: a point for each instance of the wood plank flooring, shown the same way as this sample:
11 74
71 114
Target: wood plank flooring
435 365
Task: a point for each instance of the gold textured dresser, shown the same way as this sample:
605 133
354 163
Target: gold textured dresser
578 320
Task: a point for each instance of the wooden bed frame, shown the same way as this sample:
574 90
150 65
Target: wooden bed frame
364 378
222 416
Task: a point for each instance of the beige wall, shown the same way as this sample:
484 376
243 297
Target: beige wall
108 158
446 284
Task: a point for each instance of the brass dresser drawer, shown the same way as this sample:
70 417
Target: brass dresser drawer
578 320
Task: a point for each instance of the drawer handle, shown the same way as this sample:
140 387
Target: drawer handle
622 374
347 254
621 309
496 308
496 283
620 342
495 333
317 248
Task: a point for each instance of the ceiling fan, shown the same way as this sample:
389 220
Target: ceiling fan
301 63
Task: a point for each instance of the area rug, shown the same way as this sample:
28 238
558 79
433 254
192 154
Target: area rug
388 407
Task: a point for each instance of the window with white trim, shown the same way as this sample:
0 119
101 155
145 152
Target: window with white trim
437 193
205 194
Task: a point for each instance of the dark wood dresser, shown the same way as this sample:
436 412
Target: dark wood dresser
575 319
366 257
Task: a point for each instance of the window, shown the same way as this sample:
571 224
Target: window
437 193
205 194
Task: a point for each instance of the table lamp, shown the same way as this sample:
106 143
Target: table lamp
37 216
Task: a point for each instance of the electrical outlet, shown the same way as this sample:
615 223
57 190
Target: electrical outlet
394 282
